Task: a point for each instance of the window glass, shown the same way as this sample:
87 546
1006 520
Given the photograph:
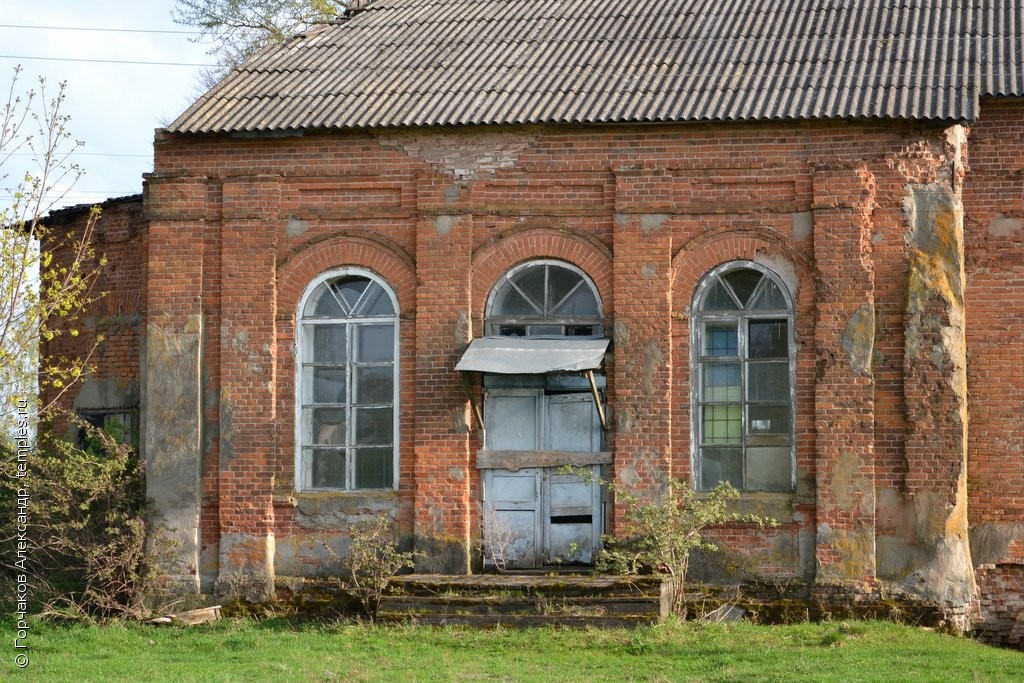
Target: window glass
348 388
545 299
743 408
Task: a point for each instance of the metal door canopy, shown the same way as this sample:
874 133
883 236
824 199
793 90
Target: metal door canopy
524 356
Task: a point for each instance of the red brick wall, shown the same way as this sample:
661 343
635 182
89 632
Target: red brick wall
645 211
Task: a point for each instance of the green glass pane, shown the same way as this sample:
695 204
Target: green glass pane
374 468
768 339
722 424
720 339
328 468
768 381
722 383
721 464
743 282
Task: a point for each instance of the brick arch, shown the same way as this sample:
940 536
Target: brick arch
498 255
690 264
711 249
386 260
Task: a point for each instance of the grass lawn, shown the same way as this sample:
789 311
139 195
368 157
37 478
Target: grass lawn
275 650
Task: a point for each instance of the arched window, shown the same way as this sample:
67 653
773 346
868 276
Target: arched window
347 388
545 299
743 364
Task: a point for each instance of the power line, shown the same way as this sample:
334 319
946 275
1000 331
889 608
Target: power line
111 30
104 61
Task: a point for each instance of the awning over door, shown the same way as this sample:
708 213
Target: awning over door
531 356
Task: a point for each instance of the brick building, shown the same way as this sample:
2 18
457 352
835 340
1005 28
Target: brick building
418 260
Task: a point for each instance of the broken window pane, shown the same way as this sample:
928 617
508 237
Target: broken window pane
328 426
768 419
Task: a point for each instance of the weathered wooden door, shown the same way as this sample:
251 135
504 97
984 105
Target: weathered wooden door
512 518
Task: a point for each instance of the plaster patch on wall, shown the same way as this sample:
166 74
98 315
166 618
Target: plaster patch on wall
803 225
444 224
461 155
652 222
859 339
296 227
648 271
855 547
1004 226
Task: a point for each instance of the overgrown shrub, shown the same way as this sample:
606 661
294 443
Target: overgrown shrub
84 526
661 532
373 559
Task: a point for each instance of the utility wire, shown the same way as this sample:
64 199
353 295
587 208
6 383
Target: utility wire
103 61
111 30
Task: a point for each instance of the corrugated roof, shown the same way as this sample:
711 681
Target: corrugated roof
452 62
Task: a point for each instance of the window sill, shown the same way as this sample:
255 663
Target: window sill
314 502
516 460
774 505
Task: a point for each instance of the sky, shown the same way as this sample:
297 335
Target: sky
114 107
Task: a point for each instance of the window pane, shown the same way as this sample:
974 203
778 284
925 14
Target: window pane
768 381
722 424
374 468
721 464
349 289
718 299
769 469
328 384
720 339
511 302
531 281
768 339
512 330
770 298
328 426
743 282
323 304
328 344
545 331
375 302
722 382
328 468
768 419
376 343
374 384
581 302
373 425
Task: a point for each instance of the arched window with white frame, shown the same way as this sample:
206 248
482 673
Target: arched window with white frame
545 298
347 383
743 366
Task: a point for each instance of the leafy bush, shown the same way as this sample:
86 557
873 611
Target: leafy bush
661 532
85 528
373 558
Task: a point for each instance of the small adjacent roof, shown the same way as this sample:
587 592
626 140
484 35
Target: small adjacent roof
455 62
532 356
